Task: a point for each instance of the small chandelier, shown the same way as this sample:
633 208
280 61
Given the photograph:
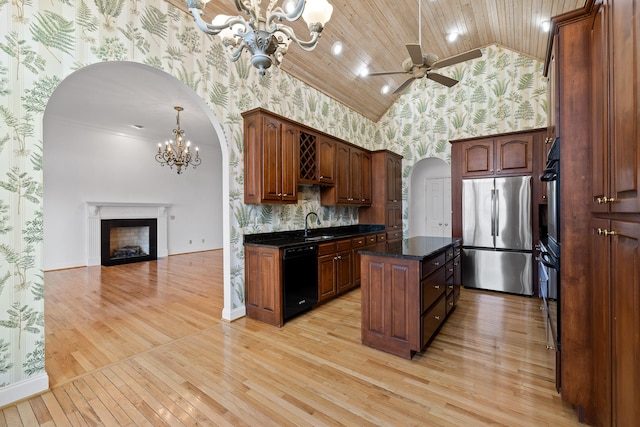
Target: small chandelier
264 37
177 152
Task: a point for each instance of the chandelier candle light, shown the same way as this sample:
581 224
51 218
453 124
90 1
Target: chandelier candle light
176 152
264 37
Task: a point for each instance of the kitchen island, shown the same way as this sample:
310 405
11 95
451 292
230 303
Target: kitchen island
408 292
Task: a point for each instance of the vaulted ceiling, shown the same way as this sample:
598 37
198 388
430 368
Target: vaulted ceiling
374 34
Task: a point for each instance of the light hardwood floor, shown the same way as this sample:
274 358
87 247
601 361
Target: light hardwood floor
143 344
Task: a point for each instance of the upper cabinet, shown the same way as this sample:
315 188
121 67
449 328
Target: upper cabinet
503 156
270 159
327 161
616 148
353 178
279 154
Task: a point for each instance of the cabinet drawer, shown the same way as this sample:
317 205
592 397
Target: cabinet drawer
450 254
382 237
432 320
450 303
432 264
371 240
394 235
433 288
326 248
358 242
449 267
343 245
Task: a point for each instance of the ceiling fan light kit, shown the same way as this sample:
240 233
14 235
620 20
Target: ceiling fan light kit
264 37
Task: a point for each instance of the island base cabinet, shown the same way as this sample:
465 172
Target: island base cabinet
390 302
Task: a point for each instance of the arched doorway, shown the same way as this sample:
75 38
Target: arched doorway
106 100
430 198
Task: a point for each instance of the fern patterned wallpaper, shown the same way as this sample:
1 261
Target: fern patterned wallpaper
43 41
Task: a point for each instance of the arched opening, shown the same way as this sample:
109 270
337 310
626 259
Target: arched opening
93 152
430 199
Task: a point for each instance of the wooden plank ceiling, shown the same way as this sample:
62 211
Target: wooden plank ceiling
374 34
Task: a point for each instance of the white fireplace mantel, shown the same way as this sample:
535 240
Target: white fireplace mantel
97 211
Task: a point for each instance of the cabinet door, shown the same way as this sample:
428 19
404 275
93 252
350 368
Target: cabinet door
365 195
514 155
327 149
600 121
625 306
343 185
289 163
394 218
624 170
344 273
271 159
477 158
355 176
601 320
552 93
326 277
263 284
394 179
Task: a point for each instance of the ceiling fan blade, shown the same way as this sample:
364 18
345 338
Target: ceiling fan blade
443 80
404 85
415 52
472 54
385 73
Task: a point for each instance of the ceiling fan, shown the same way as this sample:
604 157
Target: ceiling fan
420 64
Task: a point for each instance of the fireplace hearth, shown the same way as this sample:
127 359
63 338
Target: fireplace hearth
125 241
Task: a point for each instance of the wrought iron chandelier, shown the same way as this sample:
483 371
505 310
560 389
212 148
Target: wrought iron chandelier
264 36
177 152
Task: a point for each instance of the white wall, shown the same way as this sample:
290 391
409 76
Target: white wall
84 164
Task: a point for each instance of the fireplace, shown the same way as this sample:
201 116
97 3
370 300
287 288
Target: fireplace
128 240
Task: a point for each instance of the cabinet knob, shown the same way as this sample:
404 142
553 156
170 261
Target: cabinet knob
436 263
321 176
439 223
451 304
544 197
436 286
437 317
446 224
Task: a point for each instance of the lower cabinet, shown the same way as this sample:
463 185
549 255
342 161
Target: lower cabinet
263 284
405 301
335 269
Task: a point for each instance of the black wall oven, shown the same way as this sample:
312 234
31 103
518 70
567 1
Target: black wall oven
550 248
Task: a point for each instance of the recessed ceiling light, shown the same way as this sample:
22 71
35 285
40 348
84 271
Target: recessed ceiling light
546 26
336 49
364 71
138 126
451 37
385 89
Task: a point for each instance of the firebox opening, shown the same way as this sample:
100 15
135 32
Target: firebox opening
128 240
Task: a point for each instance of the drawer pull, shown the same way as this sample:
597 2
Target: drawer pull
437 317
451 269
436 286
436 263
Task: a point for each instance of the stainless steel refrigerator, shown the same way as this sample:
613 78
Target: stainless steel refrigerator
496 233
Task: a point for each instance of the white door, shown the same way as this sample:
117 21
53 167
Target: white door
438 206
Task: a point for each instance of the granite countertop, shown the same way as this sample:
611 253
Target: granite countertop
285 239
419 247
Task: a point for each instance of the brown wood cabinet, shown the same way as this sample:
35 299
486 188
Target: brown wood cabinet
270 159
404 301
503 156
615 205
327 161
386 199
353 178
358 244
263 284
335 269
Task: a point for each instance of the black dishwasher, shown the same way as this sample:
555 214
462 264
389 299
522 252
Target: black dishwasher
299 279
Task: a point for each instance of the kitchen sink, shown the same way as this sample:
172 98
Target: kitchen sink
316 238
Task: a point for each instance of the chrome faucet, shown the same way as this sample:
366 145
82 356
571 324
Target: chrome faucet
306 229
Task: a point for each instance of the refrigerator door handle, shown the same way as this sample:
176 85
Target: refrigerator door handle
493 212
496 216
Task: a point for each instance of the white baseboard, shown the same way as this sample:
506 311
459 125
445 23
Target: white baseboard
23 389
236 313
